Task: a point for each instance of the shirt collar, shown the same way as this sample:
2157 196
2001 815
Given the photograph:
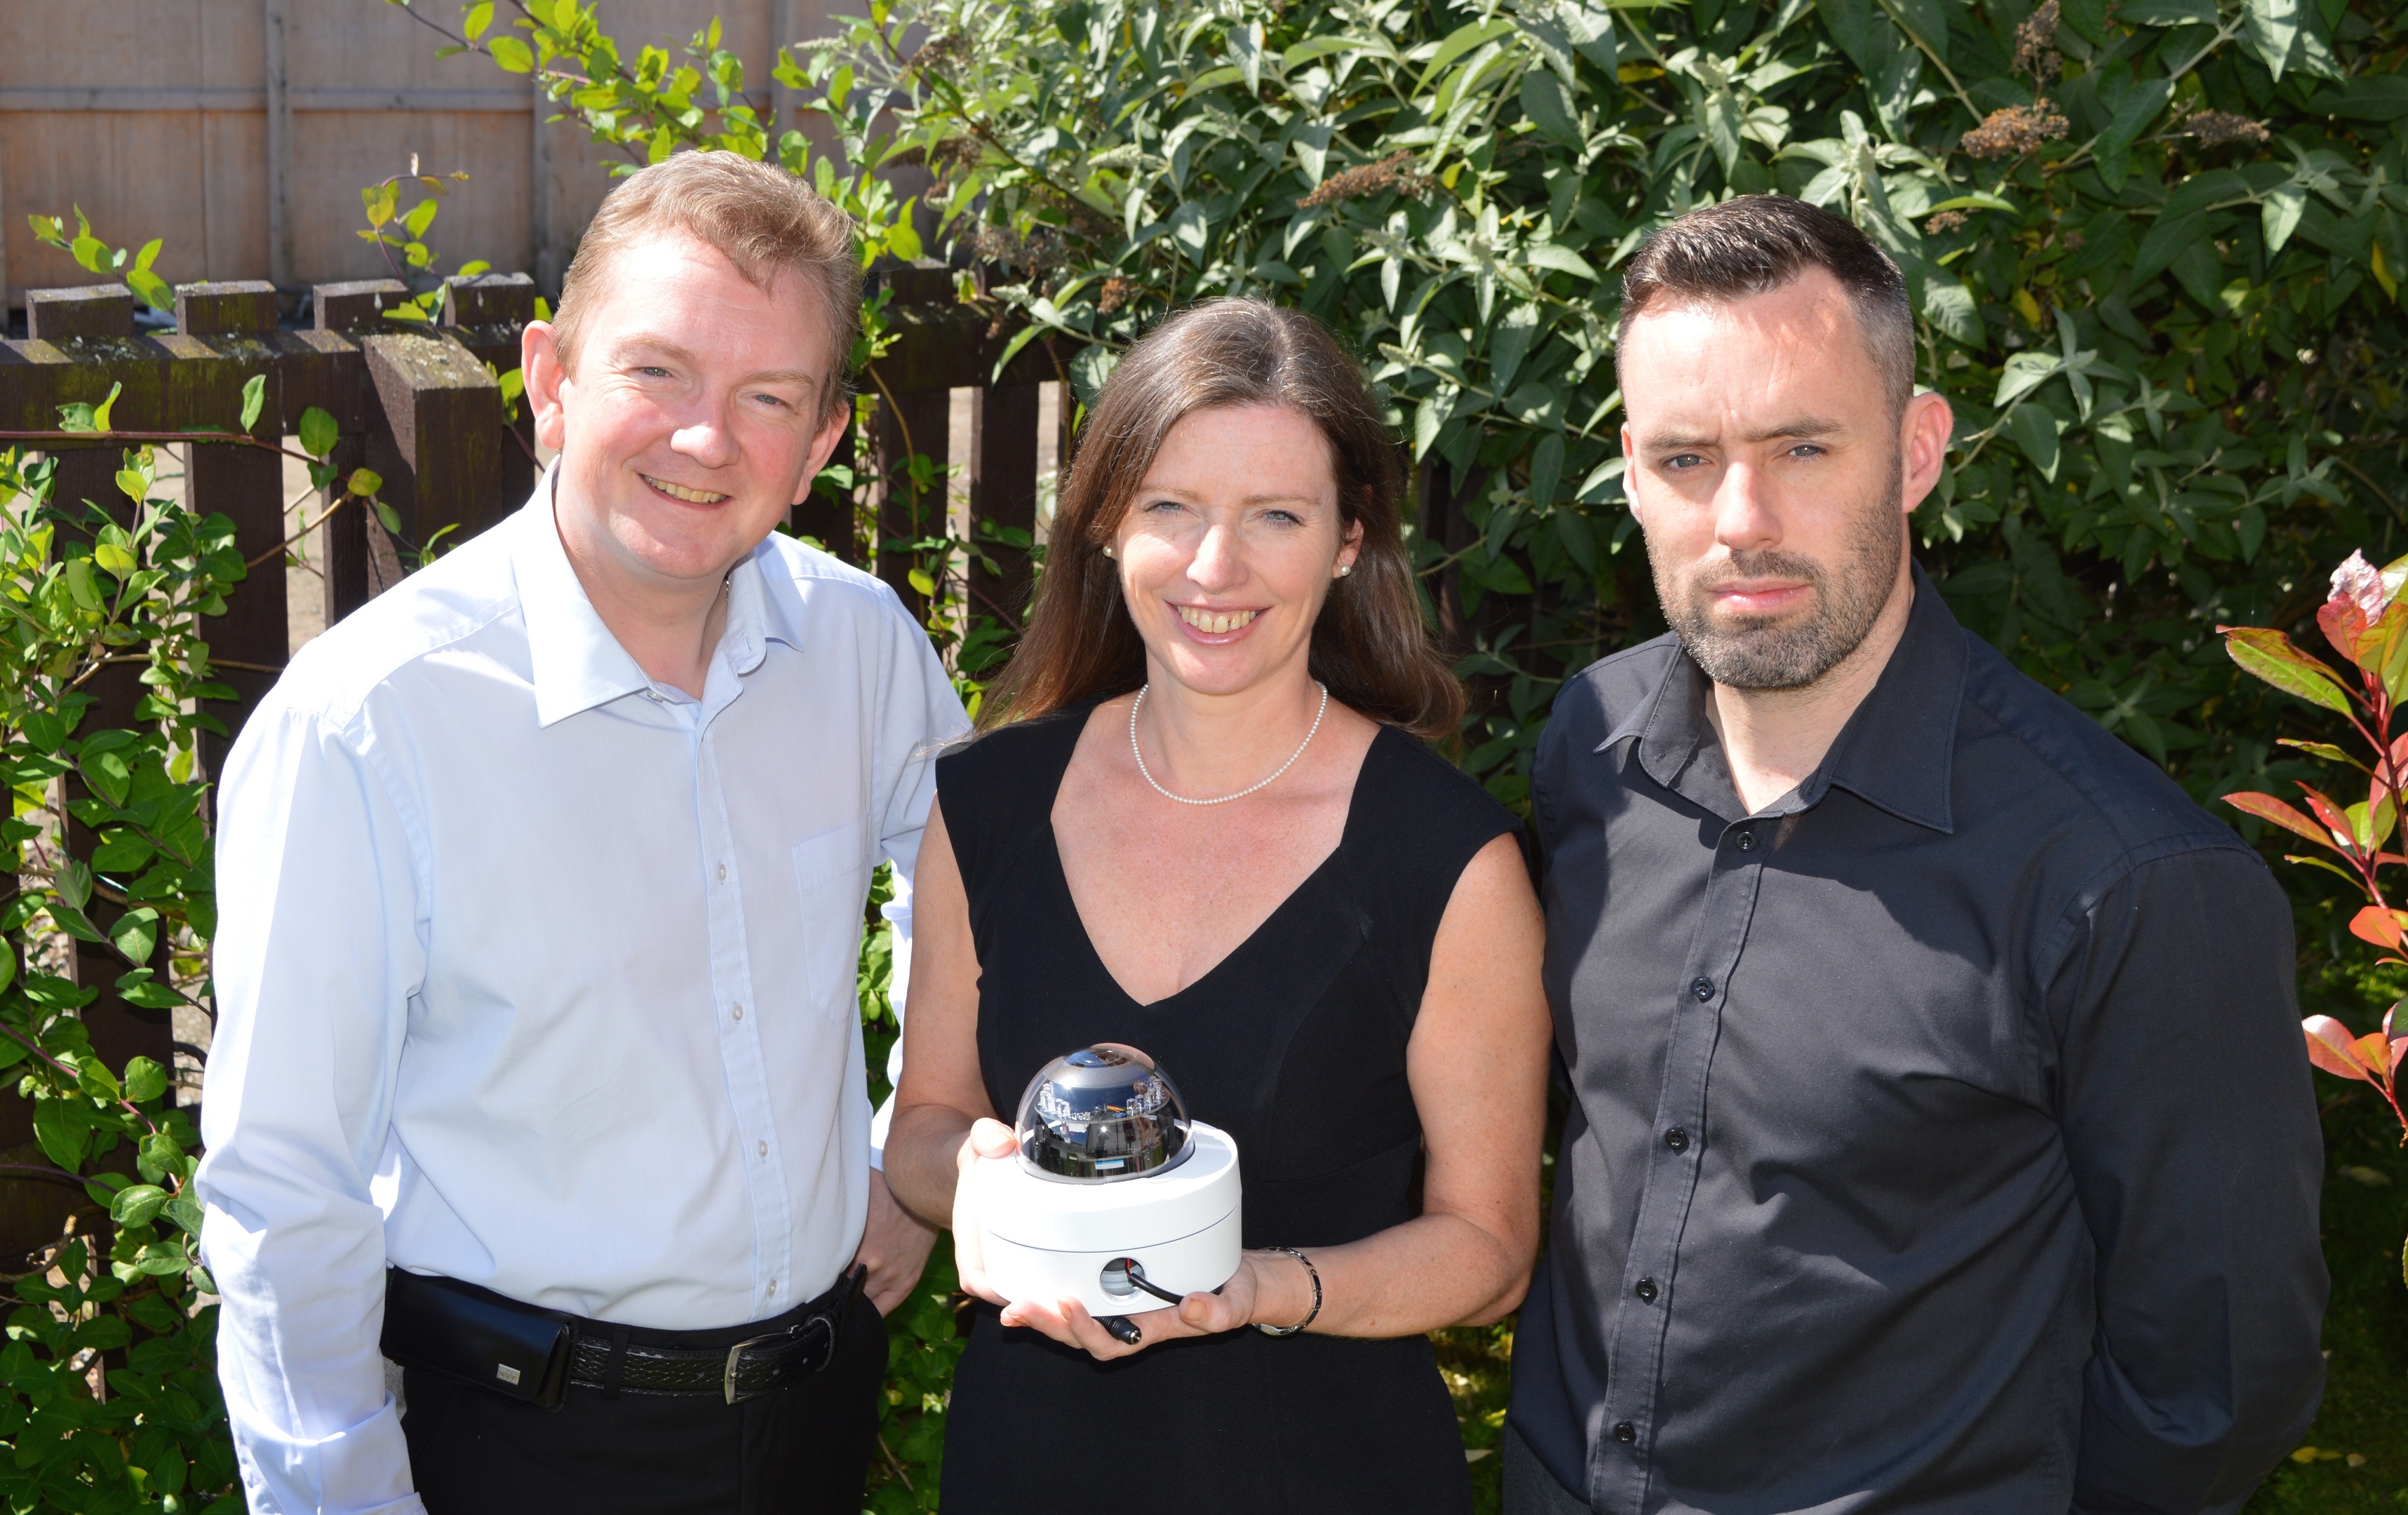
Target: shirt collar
576 663
1896 751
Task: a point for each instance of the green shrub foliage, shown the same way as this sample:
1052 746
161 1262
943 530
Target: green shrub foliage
2155 248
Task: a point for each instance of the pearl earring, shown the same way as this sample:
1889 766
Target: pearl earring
1345 568
1108 552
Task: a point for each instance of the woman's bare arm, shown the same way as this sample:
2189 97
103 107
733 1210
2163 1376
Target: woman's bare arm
941 1094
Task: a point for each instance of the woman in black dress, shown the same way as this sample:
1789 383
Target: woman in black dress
1200 823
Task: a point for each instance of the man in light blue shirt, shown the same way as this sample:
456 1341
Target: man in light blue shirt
542 879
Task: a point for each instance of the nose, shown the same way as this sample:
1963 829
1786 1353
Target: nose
707 438
1218 564
1744 519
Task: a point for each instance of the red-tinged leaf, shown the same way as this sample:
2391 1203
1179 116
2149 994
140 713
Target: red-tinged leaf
2373 1053
2345 625
2336 820
2267 807
2329 1048
2270 655
2382 928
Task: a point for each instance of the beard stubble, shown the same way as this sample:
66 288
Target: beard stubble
1785 652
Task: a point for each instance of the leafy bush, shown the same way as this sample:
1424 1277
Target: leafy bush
122 1308
2156 255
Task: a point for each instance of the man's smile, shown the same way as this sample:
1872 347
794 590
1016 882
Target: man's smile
678 492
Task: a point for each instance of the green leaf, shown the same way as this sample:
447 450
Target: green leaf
317 432
255 400
2167 12
138 1204
136 934
80 586
421 216
63 1128
1562 260
144 1081
387 517
1549 105
2270 655
512 55
115 559
2035 431
2280 213
2143 104
365 482
480 17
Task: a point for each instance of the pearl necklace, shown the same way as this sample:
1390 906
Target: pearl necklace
1137 754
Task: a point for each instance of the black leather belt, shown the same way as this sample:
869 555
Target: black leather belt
520 1351
746 1370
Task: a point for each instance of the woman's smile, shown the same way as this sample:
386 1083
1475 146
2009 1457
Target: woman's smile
1215 628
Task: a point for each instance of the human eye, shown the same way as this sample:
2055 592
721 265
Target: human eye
1806 450
1680 463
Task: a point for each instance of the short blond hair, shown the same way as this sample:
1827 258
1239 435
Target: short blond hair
764 219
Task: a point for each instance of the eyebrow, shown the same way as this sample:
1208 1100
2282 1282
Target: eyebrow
1800 426
644 342
1251 499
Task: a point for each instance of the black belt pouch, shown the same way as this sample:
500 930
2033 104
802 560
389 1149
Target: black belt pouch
477 1336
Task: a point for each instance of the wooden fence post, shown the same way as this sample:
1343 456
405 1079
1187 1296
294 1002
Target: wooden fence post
433 436
356 308
1003 490
486 313
251 640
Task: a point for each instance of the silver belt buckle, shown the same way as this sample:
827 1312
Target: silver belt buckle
727 1379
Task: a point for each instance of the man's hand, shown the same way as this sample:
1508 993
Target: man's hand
894 1247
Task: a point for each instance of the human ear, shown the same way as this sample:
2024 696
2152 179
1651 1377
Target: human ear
1350 546
823 444
546 383
1923 447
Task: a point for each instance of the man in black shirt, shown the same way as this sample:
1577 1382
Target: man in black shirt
1941 1133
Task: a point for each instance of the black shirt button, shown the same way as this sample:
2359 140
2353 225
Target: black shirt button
1647 1291
1625 1433
1702 988
1677 1139
1747 841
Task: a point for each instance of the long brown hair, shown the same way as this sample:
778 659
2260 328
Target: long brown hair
1369 643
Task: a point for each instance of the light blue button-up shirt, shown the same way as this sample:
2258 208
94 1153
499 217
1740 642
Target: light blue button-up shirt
538 974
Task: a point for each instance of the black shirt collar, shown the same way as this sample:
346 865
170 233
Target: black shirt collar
1895 751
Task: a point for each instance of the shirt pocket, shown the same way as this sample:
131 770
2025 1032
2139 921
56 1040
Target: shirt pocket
832 880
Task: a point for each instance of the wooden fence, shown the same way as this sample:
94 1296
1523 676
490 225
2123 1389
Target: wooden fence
241 131
422 409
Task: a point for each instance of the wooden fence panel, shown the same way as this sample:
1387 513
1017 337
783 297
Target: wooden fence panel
241 130
417 405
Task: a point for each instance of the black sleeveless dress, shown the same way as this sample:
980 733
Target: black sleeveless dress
1294 1045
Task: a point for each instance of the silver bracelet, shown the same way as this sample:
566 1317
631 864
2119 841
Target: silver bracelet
1312 1272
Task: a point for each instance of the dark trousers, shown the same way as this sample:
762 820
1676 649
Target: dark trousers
801 1451
1529 1488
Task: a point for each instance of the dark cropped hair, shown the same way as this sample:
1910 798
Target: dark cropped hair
1369 643
1752 244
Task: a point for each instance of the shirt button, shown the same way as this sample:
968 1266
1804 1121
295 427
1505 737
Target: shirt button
1677 1139
740 1012
765 1148
773 1289
722 873
1746 841
1702 988
1625 1432
1647 1291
